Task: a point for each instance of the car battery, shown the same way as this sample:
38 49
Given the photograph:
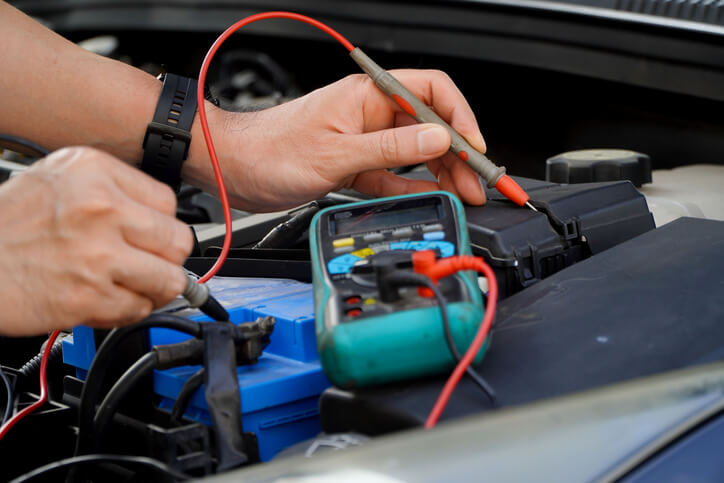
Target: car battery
279 394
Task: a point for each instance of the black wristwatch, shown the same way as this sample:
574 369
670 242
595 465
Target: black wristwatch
168 135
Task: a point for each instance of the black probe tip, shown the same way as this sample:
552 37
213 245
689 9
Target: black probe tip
214 309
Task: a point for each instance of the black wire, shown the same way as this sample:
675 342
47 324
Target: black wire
11 397
105 354
93 459
9 141
188 390
288 232
411 278
470 370
140 369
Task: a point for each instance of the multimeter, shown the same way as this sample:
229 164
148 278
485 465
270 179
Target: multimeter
364 335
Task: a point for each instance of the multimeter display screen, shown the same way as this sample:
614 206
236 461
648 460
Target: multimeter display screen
384 217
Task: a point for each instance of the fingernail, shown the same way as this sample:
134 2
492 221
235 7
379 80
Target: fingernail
432 140
478 142
481 183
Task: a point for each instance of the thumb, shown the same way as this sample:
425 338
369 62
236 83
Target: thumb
401 146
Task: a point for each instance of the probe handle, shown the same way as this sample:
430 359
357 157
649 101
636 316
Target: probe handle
199 296
417 109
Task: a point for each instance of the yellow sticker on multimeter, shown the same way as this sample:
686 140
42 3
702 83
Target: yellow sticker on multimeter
363 253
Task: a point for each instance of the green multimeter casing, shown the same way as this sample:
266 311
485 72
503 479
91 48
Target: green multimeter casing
362 340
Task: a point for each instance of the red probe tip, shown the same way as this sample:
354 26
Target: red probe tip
511 190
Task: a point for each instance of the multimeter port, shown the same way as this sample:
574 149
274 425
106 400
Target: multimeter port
380 295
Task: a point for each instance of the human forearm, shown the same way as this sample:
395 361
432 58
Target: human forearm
58 94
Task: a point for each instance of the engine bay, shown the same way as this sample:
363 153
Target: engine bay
615 275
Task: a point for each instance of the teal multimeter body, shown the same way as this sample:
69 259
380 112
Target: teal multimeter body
361 338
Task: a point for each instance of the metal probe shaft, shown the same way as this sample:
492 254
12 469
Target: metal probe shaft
494 175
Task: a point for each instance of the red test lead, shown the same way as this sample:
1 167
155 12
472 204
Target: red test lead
494 175
425 263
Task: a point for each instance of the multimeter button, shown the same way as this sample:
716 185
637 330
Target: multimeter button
364 252
434 235
346 249
354 312
343 242
435 227
373 237
402 232
354 300
446 248
341 264
335 268
380 247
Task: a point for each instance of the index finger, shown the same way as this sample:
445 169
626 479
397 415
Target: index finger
436 89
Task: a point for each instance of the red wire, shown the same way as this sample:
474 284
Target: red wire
205 126
43 388
472 351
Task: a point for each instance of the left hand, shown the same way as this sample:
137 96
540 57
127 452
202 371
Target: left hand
341 136
89 240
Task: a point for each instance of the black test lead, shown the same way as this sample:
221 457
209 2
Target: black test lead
199 296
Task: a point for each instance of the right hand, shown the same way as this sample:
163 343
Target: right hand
343 135
87 239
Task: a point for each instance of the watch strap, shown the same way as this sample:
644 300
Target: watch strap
168 135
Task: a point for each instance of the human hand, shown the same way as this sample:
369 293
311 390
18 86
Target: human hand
341 136
87 239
